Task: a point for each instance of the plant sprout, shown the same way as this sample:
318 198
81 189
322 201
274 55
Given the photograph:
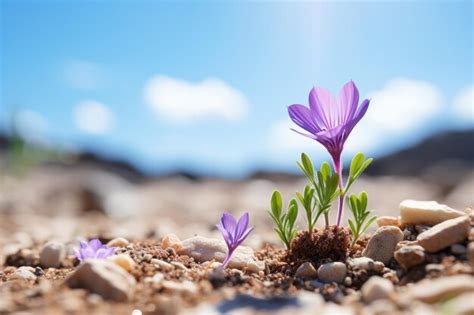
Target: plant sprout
234 233
317 201
358 206
285 222
330 120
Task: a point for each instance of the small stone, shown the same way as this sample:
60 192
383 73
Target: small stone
23 273
376 288
347 281
361 263
388 221
445 234
52 254
379 266
420 228
458 249
171 241
147 257
124 261
426 212
434 268
383 243
179 265
470 254
217 275
332 272
186 287
409 256
306 270
158 278
439 289
162 264
205 249
118 242
104 278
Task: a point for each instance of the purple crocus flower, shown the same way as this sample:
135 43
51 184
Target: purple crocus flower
330 120
234 232
93 249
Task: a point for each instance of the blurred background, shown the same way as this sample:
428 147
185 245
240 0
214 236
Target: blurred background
139 118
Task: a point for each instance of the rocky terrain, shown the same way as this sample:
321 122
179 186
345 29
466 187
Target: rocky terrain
417 259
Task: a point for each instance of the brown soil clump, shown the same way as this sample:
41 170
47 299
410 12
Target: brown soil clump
321 246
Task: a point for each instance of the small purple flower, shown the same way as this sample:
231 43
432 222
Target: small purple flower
234 232
93 249
330 120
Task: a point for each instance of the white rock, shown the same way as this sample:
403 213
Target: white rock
383 243
162 264
124 261
52 254
306 270
23 273
180 287
376 288
118 242
361 263
436 290
104 278
445 234
426 212
205 249
332 272
171 241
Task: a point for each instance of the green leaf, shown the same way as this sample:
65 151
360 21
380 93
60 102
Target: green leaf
276 203
369 223
352 227
292 212
308 165
301 198
356 163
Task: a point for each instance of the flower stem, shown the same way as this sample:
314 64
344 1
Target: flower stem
338 170
227 258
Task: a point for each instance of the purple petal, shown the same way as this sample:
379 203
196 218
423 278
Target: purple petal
348 101
244 235
242 225
105 252
83 244
301 116
225 234
228 222
304 134
324 108
78 254
95 244
358 116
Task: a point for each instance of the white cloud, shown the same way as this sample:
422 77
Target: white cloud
31 126
464 104
82 75
181 101
403 104
93 117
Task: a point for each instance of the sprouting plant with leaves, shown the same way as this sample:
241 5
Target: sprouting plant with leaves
285 222
358 166
362 216
317 200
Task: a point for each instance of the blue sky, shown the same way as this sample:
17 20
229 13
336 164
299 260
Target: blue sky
204 86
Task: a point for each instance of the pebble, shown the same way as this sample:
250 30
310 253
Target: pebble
104 278
179 265
409 256
171 241
306 270
361 263
205 249
458 249
445 234
379 266
332 272
436 290
124 261
23 273
118 242
52 254
376 288
347 281
162 264
383 243
187 287
217 274
426 212
388 221
470 253
158 278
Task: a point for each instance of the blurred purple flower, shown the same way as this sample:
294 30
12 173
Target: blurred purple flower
234 232
330 120
93 249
